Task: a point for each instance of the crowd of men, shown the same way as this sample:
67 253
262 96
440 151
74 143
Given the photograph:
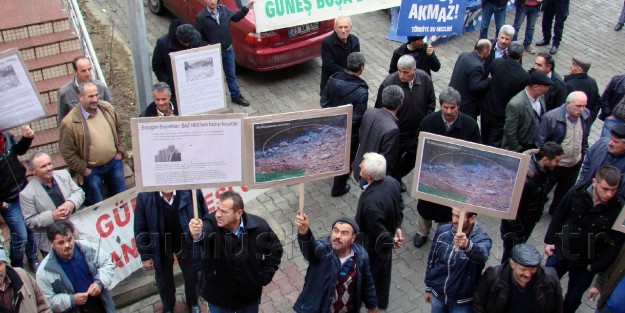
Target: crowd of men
226 257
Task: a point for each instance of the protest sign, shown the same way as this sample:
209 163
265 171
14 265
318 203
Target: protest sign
297 147
113 222
276 14
431 17
469 176
187 152
20 99
199 80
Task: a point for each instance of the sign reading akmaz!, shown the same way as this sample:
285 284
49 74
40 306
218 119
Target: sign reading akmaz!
276 14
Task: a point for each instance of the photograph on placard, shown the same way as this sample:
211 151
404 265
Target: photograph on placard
199 80
619 225
187 152
20 98
470 176
299 146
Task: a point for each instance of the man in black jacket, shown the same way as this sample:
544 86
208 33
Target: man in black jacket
580 239
379 217
12 182
613 93
336 48
348 88
556 95
533 197
419 101
578 80
468 77
161 229
163 104
423 54
519 285
180 37
241 253
213 23
507 79
450 122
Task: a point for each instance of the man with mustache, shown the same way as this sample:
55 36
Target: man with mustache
91 141
75 276
50 196
241 253
610 151
511 286
450 122
350 286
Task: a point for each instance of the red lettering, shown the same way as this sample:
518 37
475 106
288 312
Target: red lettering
219 191
118 220
133 201
104 226
117 260
245 189
126 250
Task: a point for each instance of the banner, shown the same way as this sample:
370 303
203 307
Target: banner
110 225
276 14
431 17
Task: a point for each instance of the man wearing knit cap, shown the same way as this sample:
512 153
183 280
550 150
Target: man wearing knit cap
519 285
423 54
19 291
610 151
578 80
338 253
180 37
379 216
523 114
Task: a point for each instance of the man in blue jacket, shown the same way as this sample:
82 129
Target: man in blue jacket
338 253
161 230
455 264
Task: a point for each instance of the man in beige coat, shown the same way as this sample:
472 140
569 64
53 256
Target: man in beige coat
19 291
50 196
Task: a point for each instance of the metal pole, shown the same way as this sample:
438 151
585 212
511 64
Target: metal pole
140 53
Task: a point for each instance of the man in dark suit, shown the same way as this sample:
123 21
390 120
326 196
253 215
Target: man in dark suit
578 80
556 96
523 114
379 216
499 46
507 79
450 122
336 48
379 132
468 77
419 101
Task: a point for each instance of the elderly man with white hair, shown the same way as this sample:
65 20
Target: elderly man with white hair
379 216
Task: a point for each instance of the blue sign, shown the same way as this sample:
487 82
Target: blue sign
431 17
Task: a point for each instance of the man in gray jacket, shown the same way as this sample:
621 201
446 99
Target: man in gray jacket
75 276
50 196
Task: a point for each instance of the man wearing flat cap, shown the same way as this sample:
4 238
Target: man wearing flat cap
610 151
339 253
578 80
523 114
423 54
520 285
569 126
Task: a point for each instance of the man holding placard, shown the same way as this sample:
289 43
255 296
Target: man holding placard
379 216
580 240
91 141
455 264
241 253
68 95
161 221
450 122
336 48
340 254
213 23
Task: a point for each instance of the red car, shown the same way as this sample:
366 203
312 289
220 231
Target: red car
257 51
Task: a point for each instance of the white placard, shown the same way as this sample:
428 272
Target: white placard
199 80
276 14
20 102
